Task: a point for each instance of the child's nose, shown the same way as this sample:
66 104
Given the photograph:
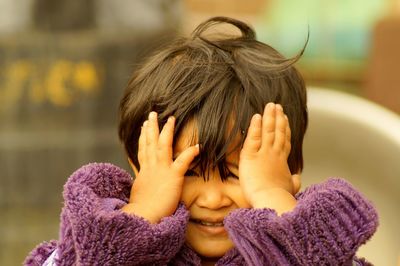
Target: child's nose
212 195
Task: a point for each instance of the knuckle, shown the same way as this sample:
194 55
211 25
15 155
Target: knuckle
255 137
276 149
248 158
281 130
269 129
160 149
160 155
288 149
179 162
245 154
288 145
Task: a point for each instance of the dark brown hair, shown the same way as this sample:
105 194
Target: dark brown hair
219 82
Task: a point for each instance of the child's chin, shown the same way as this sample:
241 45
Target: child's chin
211 248
208 244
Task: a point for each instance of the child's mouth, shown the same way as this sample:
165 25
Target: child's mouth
207 223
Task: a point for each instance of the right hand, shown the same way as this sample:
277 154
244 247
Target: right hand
157 188
264 173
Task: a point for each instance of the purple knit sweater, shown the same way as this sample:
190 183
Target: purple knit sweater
329 223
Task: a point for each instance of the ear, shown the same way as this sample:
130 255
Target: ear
135 170
296 179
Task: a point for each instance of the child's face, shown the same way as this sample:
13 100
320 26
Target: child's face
209 202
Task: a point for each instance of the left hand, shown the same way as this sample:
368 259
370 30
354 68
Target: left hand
263 169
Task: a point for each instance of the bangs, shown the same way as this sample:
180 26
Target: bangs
210 95
222 123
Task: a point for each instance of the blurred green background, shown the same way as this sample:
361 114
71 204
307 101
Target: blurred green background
64 65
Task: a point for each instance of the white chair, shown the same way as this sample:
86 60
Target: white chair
358 140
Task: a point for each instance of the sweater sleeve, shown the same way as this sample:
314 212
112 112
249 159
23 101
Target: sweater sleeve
330 221
94 231
40 253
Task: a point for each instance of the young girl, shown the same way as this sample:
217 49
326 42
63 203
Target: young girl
213 127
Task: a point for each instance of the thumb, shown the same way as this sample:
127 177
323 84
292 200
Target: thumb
135 170
296 180
183 161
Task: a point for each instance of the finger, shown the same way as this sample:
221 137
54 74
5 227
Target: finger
268 125
133 167
164 148
253 140
280 128
152 133
183 161
142 144
288 137
296 179
288 131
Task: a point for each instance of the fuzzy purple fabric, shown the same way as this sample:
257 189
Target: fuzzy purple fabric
39 254
329 223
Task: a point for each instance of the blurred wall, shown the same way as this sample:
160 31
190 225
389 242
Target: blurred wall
63 67
383 72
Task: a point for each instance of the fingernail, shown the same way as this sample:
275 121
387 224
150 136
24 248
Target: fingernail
279 107
257 117
152 115
171 119
145 123
270 105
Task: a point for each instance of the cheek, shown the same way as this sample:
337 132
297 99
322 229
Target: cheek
189 191
236 194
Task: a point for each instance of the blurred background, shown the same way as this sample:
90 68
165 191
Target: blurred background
64 65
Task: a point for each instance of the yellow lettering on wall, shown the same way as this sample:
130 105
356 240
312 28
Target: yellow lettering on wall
37 92
61 83
17 74
58 91
85 77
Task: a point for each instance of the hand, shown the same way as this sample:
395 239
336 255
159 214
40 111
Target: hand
263 170
157 188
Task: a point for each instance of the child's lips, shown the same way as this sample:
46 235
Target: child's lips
208 222
209 226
